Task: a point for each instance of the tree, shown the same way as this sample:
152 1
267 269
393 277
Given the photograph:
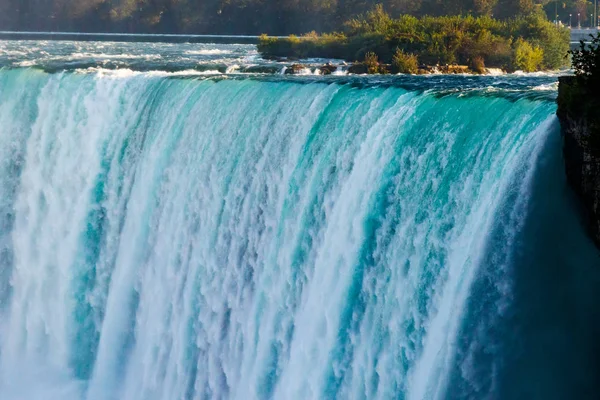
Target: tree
510 8
527 57
280 17
399 7
405 63
586 62
484 7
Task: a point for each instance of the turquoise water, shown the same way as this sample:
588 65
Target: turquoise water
260 237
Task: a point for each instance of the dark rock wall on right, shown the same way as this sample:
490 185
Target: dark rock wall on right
579 115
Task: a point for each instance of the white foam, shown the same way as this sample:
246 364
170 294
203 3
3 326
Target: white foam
207 52
124 73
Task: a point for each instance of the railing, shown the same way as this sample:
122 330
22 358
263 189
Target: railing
578 34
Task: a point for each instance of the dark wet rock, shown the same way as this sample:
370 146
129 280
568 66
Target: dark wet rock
261 69
358 69
295 69
454 69
328 69
578 107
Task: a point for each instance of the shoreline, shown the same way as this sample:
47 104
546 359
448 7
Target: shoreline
377 43
130 37
359 69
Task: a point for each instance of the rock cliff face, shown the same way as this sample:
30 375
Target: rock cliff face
579 115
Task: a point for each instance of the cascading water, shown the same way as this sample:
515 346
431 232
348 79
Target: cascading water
166 238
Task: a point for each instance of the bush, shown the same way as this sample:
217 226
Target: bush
372 63
404 63
359 46
540 32
586 60
586 63
485 48
527 57
375 21
579 96
477 65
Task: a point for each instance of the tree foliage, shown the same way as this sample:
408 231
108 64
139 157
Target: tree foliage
527 57
528 42
404 63
579 96
276 17
586 63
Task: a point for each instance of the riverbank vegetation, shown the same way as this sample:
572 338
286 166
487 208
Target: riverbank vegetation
579 95
275 17
529 43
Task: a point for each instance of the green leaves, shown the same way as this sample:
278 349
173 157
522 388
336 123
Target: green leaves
586 60
277 17
528 58
404 63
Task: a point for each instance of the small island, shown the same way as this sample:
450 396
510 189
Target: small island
376 43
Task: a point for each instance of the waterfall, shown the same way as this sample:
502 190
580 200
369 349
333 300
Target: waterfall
165 238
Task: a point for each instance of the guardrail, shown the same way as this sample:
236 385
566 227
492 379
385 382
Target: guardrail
578 34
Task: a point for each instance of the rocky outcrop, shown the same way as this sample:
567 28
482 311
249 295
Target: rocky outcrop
295 69
455 69
579 115
328 69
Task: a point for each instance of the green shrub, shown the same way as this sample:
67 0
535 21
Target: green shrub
404 63
477 64
579 96
586 63
311 35
586 60
375 21
540 32
372 63
527 57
